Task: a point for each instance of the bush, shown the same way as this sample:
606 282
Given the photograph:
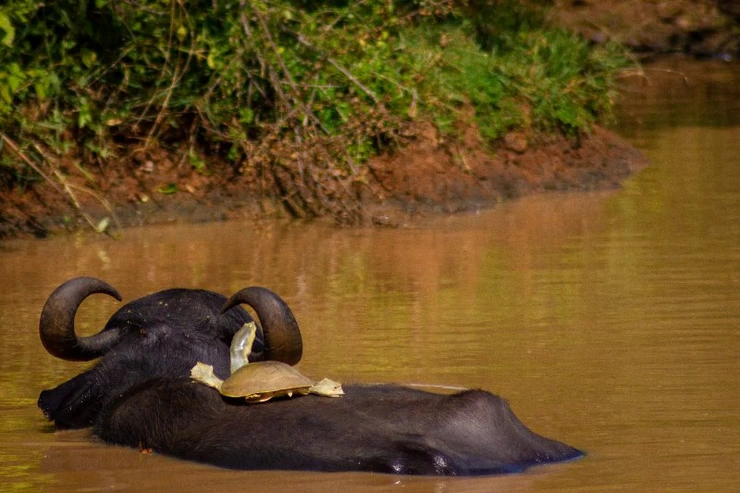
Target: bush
304 90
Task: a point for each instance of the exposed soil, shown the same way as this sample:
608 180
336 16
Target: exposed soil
429 175
703 28
433 175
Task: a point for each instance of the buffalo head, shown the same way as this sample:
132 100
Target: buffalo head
159 335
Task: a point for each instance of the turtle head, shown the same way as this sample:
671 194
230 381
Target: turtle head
241 346
282 336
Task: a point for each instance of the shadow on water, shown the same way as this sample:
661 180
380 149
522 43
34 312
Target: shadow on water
610 321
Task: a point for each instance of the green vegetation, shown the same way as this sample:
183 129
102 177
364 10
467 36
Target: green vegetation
301 92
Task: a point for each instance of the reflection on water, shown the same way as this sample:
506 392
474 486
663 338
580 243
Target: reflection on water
610 321
679 92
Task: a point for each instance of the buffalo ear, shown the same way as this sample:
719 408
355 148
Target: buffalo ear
283 340
73 404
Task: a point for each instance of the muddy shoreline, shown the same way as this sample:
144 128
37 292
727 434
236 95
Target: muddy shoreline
427 176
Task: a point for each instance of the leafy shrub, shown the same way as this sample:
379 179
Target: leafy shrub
306 90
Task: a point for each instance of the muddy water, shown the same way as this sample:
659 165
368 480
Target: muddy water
609 320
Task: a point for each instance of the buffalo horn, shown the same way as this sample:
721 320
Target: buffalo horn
282 335
57 327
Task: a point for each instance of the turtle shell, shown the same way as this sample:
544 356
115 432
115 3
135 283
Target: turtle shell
263 380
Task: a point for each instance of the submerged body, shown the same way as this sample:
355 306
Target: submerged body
380 428
139 394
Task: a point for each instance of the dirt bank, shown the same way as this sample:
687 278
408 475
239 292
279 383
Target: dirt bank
703 28
428 175
431 175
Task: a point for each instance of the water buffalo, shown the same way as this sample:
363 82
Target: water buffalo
375 428
378 428
160 335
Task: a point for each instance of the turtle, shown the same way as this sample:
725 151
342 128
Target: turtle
262 380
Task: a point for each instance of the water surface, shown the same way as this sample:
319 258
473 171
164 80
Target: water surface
610 321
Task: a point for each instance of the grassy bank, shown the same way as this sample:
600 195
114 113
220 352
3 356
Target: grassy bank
295 95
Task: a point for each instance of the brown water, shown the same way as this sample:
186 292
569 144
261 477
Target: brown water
610 321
